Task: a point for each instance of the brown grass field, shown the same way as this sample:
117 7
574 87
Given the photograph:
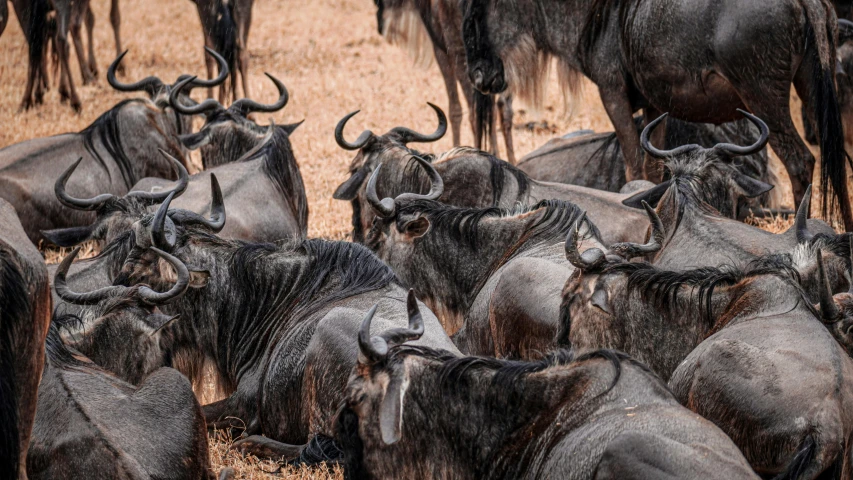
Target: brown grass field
332 60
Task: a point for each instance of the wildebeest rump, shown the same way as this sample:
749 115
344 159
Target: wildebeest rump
641 54
416 412
25 307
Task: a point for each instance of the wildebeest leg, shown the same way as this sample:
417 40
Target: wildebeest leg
222 415
243 19
78 12
115 20
618 106
505 109
63 14
263 447
652 167
90 34
454 107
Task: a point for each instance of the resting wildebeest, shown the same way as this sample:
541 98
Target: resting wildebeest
836 311
476 179
228 133
417 412
24 318
278 321
225 25
123 331
642 54
412 25
91 424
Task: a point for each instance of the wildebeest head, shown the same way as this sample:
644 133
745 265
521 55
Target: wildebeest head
228 133
487 40
124 330
836 311
115 214
159 92
710 174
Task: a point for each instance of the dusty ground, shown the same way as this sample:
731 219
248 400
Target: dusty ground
332 60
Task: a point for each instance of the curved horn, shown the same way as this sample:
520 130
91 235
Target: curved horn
203 107
180 187
163 236
408 135
385 207
399 336
178 289
801 226
217 211
662 154
732 149
223 71
845 30
371 349
246 106
436 184
77 203
629 250
89 298
829 311
588 260
360 142
147 84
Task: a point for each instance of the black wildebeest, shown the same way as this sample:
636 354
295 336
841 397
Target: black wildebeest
640 55
412 25
276 320
91 424
742 347
25 307
225 25
416 412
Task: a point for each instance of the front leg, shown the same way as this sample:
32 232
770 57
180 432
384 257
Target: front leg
618 106
228 414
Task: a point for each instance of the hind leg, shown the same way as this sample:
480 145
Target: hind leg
74 28
90 34
653 167
115 20
448 74
505 110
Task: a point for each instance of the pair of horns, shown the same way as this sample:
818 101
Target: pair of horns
145 293
386 207
373 349
406 135
96 202
162 228
242 107
728 148
152 84
594 258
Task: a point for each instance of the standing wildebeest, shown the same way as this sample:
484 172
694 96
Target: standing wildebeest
225 25
91 424
416 412
33 17
276 320
440 24
742 347
640 54
24 318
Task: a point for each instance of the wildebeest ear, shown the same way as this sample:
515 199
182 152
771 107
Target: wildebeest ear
194 141
750 186
651 196
290 128
68 237
391 408
601 300
349 189
199 278
157 321
416 228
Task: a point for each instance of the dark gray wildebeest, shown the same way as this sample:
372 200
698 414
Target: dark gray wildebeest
595 160
118 149
123 331
475 179
743 347
25 307
33 17
91 424
277 321
492 275
228 134
225 25
415 25
641 56
417 412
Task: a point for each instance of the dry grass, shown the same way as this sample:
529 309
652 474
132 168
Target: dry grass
332 60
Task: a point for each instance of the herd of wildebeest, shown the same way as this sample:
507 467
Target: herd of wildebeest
598 309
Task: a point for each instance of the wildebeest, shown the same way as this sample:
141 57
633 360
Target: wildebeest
412 25
640 55
33 17
25 307
417 412
4 17
276 320
91 424
225 25
836 311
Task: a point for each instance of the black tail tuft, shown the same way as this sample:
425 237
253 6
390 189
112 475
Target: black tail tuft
484 114
801 461
224 35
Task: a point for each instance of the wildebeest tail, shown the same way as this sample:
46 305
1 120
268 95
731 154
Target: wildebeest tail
820 55
224 35
319 449
38 31
484 114
14 310
801 461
